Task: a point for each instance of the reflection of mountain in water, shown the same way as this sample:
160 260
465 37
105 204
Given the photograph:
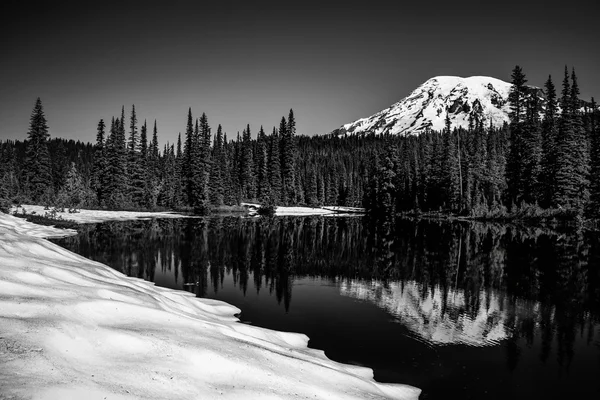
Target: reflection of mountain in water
443 317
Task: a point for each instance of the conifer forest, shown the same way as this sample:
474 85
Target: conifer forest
545 161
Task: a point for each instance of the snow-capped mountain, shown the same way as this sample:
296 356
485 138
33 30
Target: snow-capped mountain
481 96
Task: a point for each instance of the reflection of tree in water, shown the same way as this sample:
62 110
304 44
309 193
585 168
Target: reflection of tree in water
548 280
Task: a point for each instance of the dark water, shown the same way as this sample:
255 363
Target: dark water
461 310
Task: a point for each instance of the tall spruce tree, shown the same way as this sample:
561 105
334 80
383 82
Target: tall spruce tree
274 168
144 167
262 158
571 189
135 170
450 168
549 137
287 131
247 176
99 171
514 166
179 188
188 156
117 167
532 150
217 173
593 209
580 148
200 200
38 169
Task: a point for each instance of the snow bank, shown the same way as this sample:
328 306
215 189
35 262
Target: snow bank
93 216
74 328
19 225
306 211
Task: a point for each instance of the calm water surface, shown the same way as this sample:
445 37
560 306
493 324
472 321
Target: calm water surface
460 310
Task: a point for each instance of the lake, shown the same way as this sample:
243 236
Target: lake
458 309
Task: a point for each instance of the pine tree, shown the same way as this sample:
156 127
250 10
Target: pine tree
580 149
38 169
593 208
136 171
274 168
144 165
154 181
549 133
517 96
288 159
218 171
514 167
153 150
99 172
200 200
188 156
179 188
262 157
532 151
247 177
450 168
74 193
571 189
388 190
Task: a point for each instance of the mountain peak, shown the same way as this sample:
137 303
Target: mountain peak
482 97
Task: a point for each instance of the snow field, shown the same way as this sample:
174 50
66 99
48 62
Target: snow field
71 328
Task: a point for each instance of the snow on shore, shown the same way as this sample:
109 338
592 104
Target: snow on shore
72 328
300 211
93 216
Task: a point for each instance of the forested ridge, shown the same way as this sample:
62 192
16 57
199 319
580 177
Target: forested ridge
546 161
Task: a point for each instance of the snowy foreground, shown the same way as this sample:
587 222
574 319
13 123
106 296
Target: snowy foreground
71 328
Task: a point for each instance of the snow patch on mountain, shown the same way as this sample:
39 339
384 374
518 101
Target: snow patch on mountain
482 97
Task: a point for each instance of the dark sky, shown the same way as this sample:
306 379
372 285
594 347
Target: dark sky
250 62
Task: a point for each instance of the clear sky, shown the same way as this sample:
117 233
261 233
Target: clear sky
251 61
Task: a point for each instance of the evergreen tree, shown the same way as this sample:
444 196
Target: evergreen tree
593 208
247 177
188 156
532 151
153 156
580 148
288 159
154 182
38 169
262 157
99 174
517 96
200 200
217 190
450 167
274 168
571 189
514 167
179 189
135 169
145 163
60 166
549 133
73 194
117 167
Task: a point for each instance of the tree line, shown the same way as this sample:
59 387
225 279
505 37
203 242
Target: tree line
126 169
